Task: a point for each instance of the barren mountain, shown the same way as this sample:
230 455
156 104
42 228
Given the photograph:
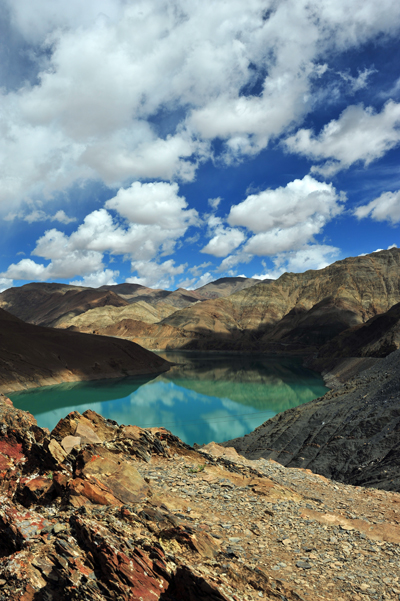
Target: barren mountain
298 312
51 304
225 287
58 305
181 298
37 356
134 293
103 317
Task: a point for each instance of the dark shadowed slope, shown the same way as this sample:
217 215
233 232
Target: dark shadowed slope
352 434
376 338
36 356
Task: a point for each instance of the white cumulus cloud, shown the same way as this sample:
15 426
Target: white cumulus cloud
155 275
224 241
150 219
108 70
384 208
108 277
313 256
287 217
360 134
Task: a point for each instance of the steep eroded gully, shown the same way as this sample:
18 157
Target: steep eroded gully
97 511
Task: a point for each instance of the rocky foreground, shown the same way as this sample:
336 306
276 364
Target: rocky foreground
97 511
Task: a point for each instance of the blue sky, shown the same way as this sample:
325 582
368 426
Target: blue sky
171 143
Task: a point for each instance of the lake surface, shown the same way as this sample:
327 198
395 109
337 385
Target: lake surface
204 397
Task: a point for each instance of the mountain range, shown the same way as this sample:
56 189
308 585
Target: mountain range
328 311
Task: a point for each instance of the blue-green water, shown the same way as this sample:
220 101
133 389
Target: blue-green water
206 396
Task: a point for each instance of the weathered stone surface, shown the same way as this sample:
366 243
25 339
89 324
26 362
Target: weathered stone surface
56 451
234 530
86 434
36 490
99 465
83 492
70 442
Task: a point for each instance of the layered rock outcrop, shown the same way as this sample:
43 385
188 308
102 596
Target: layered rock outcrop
62 305
296 313
52 304
97 511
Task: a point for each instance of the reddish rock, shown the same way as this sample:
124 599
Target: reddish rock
60 481
129 571
81 492
37 490
10 448
119 476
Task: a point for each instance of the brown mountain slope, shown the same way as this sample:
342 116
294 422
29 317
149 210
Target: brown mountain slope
56 305
181 298
36 356
298 311
134 293
51 304
102 317
225 287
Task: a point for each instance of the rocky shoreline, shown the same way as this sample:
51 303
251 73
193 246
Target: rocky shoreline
351 434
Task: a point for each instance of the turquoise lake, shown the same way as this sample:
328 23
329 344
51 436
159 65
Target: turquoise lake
204 397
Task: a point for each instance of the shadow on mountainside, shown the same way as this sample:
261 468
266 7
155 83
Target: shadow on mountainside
37 356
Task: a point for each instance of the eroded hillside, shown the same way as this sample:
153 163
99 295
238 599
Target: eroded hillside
298 312
36 356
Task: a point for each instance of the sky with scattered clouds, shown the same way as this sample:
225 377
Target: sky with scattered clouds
172 142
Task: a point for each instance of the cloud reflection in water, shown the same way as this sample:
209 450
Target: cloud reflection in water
205 397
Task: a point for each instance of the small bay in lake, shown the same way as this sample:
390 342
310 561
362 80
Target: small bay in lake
203 397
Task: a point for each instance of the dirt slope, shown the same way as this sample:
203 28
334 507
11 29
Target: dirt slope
36 356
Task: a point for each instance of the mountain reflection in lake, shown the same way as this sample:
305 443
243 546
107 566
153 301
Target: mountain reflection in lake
204 397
